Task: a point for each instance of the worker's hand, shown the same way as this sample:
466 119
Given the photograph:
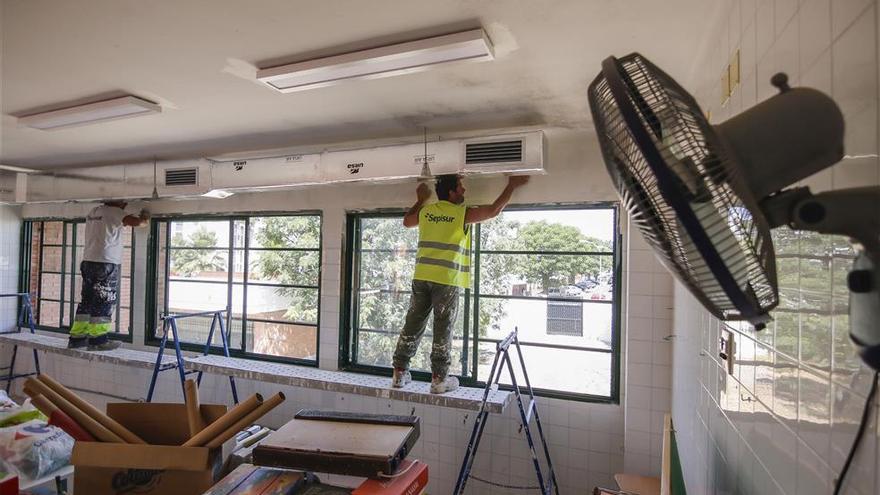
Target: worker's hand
517 180
423 192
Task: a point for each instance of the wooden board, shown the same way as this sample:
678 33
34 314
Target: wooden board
364 447
339 438
639 485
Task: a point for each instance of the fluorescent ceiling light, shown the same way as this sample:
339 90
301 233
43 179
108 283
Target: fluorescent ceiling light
13 168
391 60
116 108
217 194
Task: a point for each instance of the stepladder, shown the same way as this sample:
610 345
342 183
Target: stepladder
546 476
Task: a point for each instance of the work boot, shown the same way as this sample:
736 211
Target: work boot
441 385
102 343
400 377
77 341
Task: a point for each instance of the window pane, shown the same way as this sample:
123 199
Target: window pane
195 297
126 262
386 270
81 234
563 370
376 348
387 233
50 286
284 267
550 230
67 313
284 340
51 259
201 234
237 311
124 320
53 232
583 277
126 236
282 304
34 268
124 294
381 317
79 258
234 331
200 264
74 287
571 323
382 309
285 232
194 329
50 313
238 265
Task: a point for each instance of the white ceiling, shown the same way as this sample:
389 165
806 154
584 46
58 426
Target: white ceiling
197 59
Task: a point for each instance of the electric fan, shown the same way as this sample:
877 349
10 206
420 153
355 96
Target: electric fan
705 197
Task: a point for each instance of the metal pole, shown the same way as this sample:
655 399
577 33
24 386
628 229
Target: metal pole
180 369
158 360
226 352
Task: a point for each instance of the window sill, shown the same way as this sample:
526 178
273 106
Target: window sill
56 345
347 383
283 374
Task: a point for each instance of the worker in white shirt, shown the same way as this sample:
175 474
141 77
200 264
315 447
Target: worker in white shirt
100 268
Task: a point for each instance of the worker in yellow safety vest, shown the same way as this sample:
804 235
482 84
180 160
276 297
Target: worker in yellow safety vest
442 270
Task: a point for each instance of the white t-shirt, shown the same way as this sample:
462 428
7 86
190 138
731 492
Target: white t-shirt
104 235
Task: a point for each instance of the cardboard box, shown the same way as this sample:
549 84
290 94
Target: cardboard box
162 467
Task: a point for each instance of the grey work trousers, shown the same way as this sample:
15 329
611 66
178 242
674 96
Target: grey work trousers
443 299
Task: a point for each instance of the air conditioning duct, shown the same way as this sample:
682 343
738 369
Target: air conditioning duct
506 153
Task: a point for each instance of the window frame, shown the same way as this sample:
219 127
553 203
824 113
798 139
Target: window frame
25 258
152 326
471 345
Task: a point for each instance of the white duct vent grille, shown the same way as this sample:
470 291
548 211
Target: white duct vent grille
182 177
494 152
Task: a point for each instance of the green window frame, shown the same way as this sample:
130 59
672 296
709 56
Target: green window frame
51 251
266 267
379 257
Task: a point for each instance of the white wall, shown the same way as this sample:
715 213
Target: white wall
586 440
648 357
10 236
784 421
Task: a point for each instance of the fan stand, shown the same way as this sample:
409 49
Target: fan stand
854 213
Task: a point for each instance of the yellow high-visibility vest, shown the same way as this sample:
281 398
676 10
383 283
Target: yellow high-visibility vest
444 254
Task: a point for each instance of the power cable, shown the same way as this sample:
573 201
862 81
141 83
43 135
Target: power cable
866 414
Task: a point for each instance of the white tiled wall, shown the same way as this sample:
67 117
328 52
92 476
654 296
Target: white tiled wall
586 440
784 420
10 236
648 357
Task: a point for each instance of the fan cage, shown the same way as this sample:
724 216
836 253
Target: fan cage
705 176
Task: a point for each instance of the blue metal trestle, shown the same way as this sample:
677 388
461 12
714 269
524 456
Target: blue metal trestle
170 322
25 317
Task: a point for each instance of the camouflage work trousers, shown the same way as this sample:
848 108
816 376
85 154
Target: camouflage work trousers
100 287
443 299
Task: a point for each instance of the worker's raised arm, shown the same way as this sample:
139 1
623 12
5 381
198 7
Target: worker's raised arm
481 213
136 221
411 219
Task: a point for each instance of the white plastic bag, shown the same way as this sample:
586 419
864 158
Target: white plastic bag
35 449
5 402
